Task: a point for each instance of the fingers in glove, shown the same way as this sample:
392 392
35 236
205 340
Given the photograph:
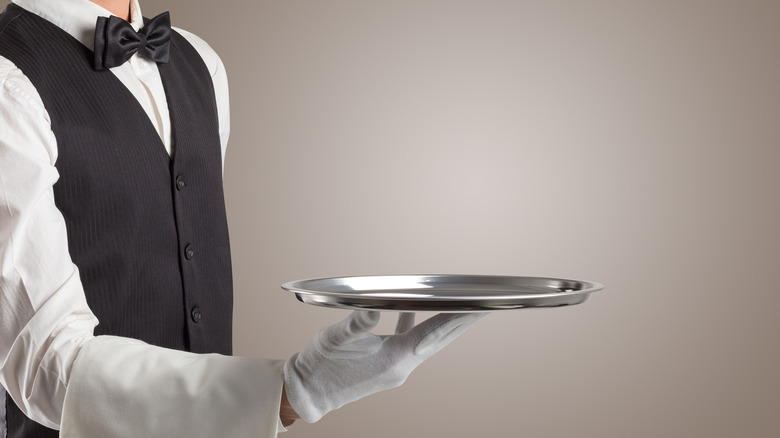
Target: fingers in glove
355 325
405 322
436 332
351 337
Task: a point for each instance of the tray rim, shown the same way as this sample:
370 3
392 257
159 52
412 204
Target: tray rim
320 298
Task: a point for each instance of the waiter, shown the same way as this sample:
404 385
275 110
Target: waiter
112 137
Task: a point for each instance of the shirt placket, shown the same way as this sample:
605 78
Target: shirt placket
146 72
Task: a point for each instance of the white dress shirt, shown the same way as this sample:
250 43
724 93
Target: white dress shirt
50 362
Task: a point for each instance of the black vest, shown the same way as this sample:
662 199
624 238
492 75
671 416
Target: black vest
148 232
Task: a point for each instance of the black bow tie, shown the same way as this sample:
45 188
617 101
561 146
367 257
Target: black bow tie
116 41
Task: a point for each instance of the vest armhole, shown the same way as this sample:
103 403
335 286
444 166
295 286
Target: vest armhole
4 22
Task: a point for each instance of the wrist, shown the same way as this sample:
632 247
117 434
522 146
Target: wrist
286 412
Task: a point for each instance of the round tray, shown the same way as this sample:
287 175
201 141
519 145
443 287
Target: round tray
441 293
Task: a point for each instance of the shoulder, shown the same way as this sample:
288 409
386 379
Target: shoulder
24 119
16 90
210 57
219 79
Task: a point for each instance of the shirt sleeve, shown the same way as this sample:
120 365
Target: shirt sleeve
51 364
44 317
123 388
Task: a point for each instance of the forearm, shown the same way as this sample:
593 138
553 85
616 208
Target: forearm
152 391
38 362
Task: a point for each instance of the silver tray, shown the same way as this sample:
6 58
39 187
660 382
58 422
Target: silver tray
441 293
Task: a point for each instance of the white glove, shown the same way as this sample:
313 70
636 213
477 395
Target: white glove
346 362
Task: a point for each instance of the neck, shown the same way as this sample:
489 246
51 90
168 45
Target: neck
120 8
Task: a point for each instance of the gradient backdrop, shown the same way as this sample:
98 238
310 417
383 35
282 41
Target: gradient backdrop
631 143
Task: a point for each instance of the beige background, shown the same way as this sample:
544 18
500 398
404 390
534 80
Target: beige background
631 143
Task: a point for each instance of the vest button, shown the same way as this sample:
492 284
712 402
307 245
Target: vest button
196 315
189 253
180 184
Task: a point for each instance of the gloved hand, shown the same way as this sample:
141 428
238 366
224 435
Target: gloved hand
345 362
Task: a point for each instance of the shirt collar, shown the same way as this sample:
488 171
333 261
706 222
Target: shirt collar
77 17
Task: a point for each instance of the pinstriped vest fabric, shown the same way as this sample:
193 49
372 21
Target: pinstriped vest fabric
147 231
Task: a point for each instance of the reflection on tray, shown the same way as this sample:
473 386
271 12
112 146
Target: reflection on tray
385 283
396 295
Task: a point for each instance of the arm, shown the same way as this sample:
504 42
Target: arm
44 317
